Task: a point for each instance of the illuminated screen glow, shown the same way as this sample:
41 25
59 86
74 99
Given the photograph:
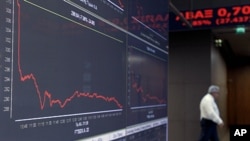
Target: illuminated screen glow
83 70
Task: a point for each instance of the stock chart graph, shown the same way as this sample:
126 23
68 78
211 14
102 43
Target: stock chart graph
62 76
68 68
67 72
144 95
147 86
147 62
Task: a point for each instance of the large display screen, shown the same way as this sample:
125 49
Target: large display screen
83 70
212 17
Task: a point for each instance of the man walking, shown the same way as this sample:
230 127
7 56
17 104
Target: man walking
209 115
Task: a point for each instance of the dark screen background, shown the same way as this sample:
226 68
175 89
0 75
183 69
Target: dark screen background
66 67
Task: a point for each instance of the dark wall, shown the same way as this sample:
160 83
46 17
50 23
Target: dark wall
238 101
189 78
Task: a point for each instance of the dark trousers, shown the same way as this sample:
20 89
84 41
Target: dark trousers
208 130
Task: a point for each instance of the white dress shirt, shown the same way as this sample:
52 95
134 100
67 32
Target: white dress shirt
209 109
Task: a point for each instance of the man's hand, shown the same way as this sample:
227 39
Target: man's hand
221 125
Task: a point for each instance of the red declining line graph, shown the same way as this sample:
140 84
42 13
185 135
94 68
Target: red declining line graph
145 97
46 96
